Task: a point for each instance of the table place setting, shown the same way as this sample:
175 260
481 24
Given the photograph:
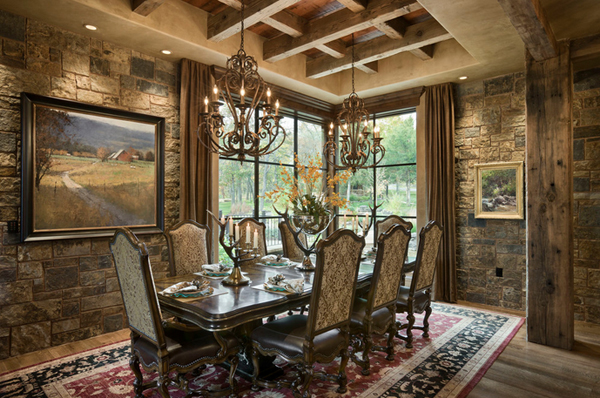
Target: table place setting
280 285
278 260
214 271
187 289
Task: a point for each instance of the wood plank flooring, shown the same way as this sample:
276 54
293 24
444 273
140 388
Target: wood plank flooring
526 370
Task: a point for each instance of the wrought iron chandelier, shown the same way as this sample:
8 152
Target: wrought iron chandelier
356 145
241 79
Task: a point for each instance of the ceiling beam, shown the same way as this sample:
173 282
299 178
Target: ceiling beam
528 17
417 36
227 23
394 29
354 5
145 7
336 48
284 21
370 68
585 47
424 53
335 26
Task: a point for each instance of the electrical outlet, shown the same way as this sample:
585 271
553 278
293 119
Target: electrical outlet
499 272
13 227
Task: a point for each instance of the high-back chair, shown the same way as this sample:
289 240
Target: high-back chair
322 335
262 238
383 225
417 297
157 345
290 248
376 313
189 247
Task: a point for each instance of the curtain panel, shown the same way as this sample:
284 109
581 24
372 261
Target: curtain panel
439 163
195 159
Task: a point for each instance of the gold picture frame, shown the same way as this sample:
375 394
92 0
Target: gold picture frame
499 190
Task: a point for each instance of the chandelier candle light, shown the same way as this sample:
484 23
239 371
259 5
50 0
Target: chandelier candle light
241 79
355 144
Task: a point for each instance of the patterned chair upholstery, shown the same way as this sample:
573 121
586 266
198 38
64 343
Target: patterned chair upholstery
189 247
290 248
262 238
322 335
157 345
385 224
376 313
417 297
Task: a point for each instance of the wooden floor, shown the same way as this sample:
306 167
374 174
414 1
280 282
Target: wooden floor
523 370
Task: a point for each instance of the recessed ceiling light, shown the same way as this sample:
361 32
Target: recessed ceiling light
462 78
90 27
166 52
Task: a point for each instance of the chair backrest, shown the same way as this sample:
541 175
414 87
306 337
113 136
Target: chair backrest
290 248
334 283
427 252
383 225
189 247
387 272
137 285
262 238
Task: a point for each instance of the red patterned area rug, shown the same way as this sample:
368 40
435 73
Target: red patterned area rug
463 344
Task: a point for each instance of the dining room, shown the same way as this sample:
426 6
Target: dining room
277 198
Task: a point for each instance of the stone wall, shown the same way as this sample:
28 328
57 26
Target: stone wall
490 127
586 187
54 292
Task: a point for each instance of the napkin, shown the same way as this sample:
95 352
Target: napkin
187 287
292 285
215 268
272 258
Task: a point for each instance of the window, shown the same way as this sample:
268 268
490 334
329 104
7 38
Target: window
242 184
392 184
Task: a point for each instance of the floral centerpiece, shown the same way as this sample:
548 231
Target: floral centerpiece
309 194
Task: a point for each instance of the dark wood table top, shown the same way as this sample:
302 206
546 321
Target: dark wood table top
241 304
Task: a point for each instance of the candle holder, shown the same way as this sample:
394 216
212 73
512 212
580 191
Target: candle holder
309 226
236 253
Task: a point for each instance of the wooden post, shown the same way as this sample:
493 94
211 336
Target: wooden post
550 311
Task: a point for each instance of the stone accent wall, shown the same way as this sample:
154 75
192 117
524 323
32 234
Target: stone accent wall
586 187
490 127
55 292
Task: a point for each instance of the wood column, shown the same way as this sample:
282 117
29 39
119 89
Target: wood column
550 312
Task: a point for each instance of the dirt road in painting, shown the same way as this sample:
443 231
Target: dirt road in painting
119 217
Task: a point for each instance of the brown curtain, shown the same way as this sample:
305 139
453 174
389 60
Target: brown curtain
196 170
439 161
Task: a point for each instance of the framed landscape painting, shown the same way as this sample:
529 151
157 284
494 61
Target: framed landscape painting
499 190
88 170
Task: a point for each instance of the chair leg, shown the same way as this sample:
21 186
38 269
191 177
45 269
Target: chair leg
390 342
368 341
162 386
342 378
409 335
426 321
256 365
134 364
307 377
233 362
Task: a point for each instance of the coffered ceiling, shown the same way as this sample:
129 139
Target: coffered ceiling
306 45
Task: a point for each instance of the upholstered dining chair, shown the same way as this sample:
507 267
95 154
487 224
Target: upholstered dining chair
383 225
323 334
189 247
262 238
290 248
417 297
376 313
157 345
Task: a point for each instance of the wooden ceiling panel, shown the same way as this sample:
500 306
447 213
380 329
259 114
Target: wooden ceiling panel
362 35
210 6
313 9
416 17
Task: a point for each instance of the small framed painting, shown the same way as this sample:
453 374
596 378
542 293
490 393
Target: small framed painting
87 170
499 190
